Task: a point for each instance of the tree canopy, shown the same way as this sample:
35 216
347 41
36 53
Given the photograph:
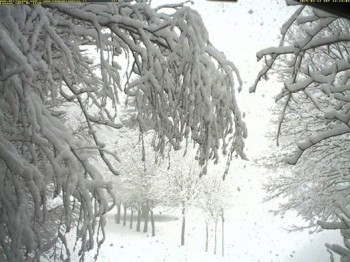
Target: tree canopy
182 87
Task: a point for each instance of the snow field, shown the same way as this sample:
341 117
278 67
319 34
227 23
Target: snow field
252 233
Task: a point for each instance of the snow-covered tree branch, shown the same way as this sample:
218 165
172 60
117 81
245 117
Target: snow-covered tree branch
313 62
183 88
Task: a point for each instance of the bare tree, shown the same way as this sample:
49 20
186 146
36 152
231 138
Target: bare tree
179 184
214 197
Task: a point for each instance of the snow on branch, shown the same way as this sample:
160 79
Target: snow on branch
312 140
183 88
313 61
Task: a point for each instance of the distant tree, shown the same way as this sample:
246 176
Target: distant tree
183 89
120 192
138 175
179 184
312 60
214 197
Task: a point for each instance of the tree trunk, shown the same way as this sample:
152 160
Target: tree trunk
183 227
138 224
206 236
215 235
118 213
146 216
222 233
125 209
131 217
152 223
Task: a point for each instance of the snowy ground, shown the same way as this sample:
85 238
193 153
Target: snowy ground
252 233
